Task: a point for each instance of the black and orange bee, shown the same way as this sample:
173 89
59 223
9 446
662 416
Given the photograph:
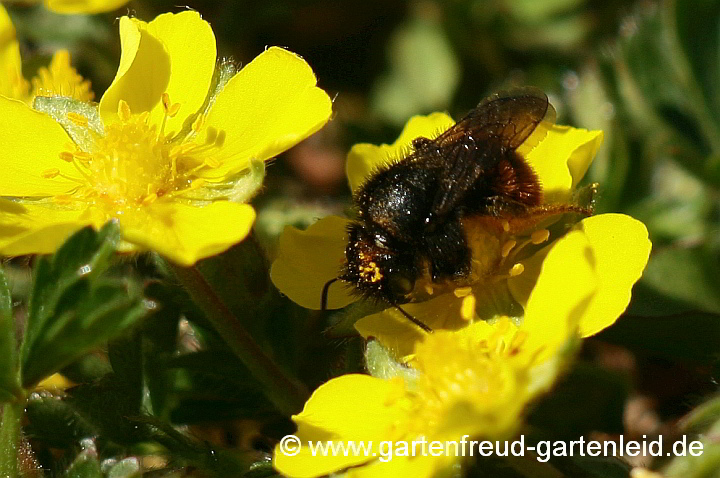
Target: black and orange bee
412 215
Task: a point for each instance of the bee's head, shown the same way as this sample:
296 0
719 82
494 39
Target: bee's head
379 266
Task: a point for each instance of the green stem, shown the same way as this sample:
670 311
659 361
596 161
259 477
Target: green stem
286 393
12 413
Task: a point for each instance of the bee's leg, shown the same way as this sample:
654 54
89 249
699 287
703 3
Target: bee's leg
447 251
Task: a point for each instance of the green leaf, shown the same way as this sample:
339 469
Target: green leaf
73 307
127 468
55 423
423 76
689 275
10 438
86 464
9 379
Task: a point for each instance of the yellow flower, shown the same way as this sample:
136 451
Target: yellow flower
170 152
510 257
59 78
472 383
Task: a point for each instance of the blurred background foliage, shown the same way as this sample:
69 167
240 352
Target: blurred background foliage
646 72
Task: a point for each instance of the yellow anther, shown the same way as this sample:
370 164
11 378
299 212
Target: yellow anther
173 110
66 156
166 101
143 117
62 199
124 111
83 156
517 341
77 119
540 236
467 308
51 173
429 289
516 270
198 183
181 149
506 225
213 162
149 199
198 123
507 247
462 291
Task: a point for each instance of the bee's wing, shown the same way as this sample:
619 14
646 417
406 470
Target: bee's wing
514 121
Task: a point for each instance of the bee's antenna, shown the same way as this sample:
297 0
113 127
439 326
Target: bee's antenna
326 288
413 319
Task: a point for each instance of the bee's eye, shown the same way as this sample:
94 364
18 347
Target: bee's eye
400 284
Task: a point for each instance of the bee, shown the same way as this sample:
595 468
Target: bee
412 214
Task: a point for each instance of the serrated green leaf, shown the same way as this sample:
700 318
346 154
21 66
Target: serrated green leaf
9 379
72 308
58 108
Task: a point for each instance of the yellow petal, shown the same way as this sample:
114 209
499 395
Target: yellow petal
26 158
190 42
34 228
621 249
564 288
562 159
306 260
143 74
267 107
186 234
363 159
84 6
350 407
12 83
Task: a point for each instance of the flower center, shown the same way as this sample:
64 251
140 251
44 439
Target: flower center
473 383
133 164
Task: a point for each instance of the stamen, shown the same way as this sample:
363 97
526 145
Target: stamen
507 247
67 156
124 111
467 308
429 289
517 341
51 173
540 236
506 225
170 109
212 162
78 119
462 291
516 270
198 183
198 123
149 199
